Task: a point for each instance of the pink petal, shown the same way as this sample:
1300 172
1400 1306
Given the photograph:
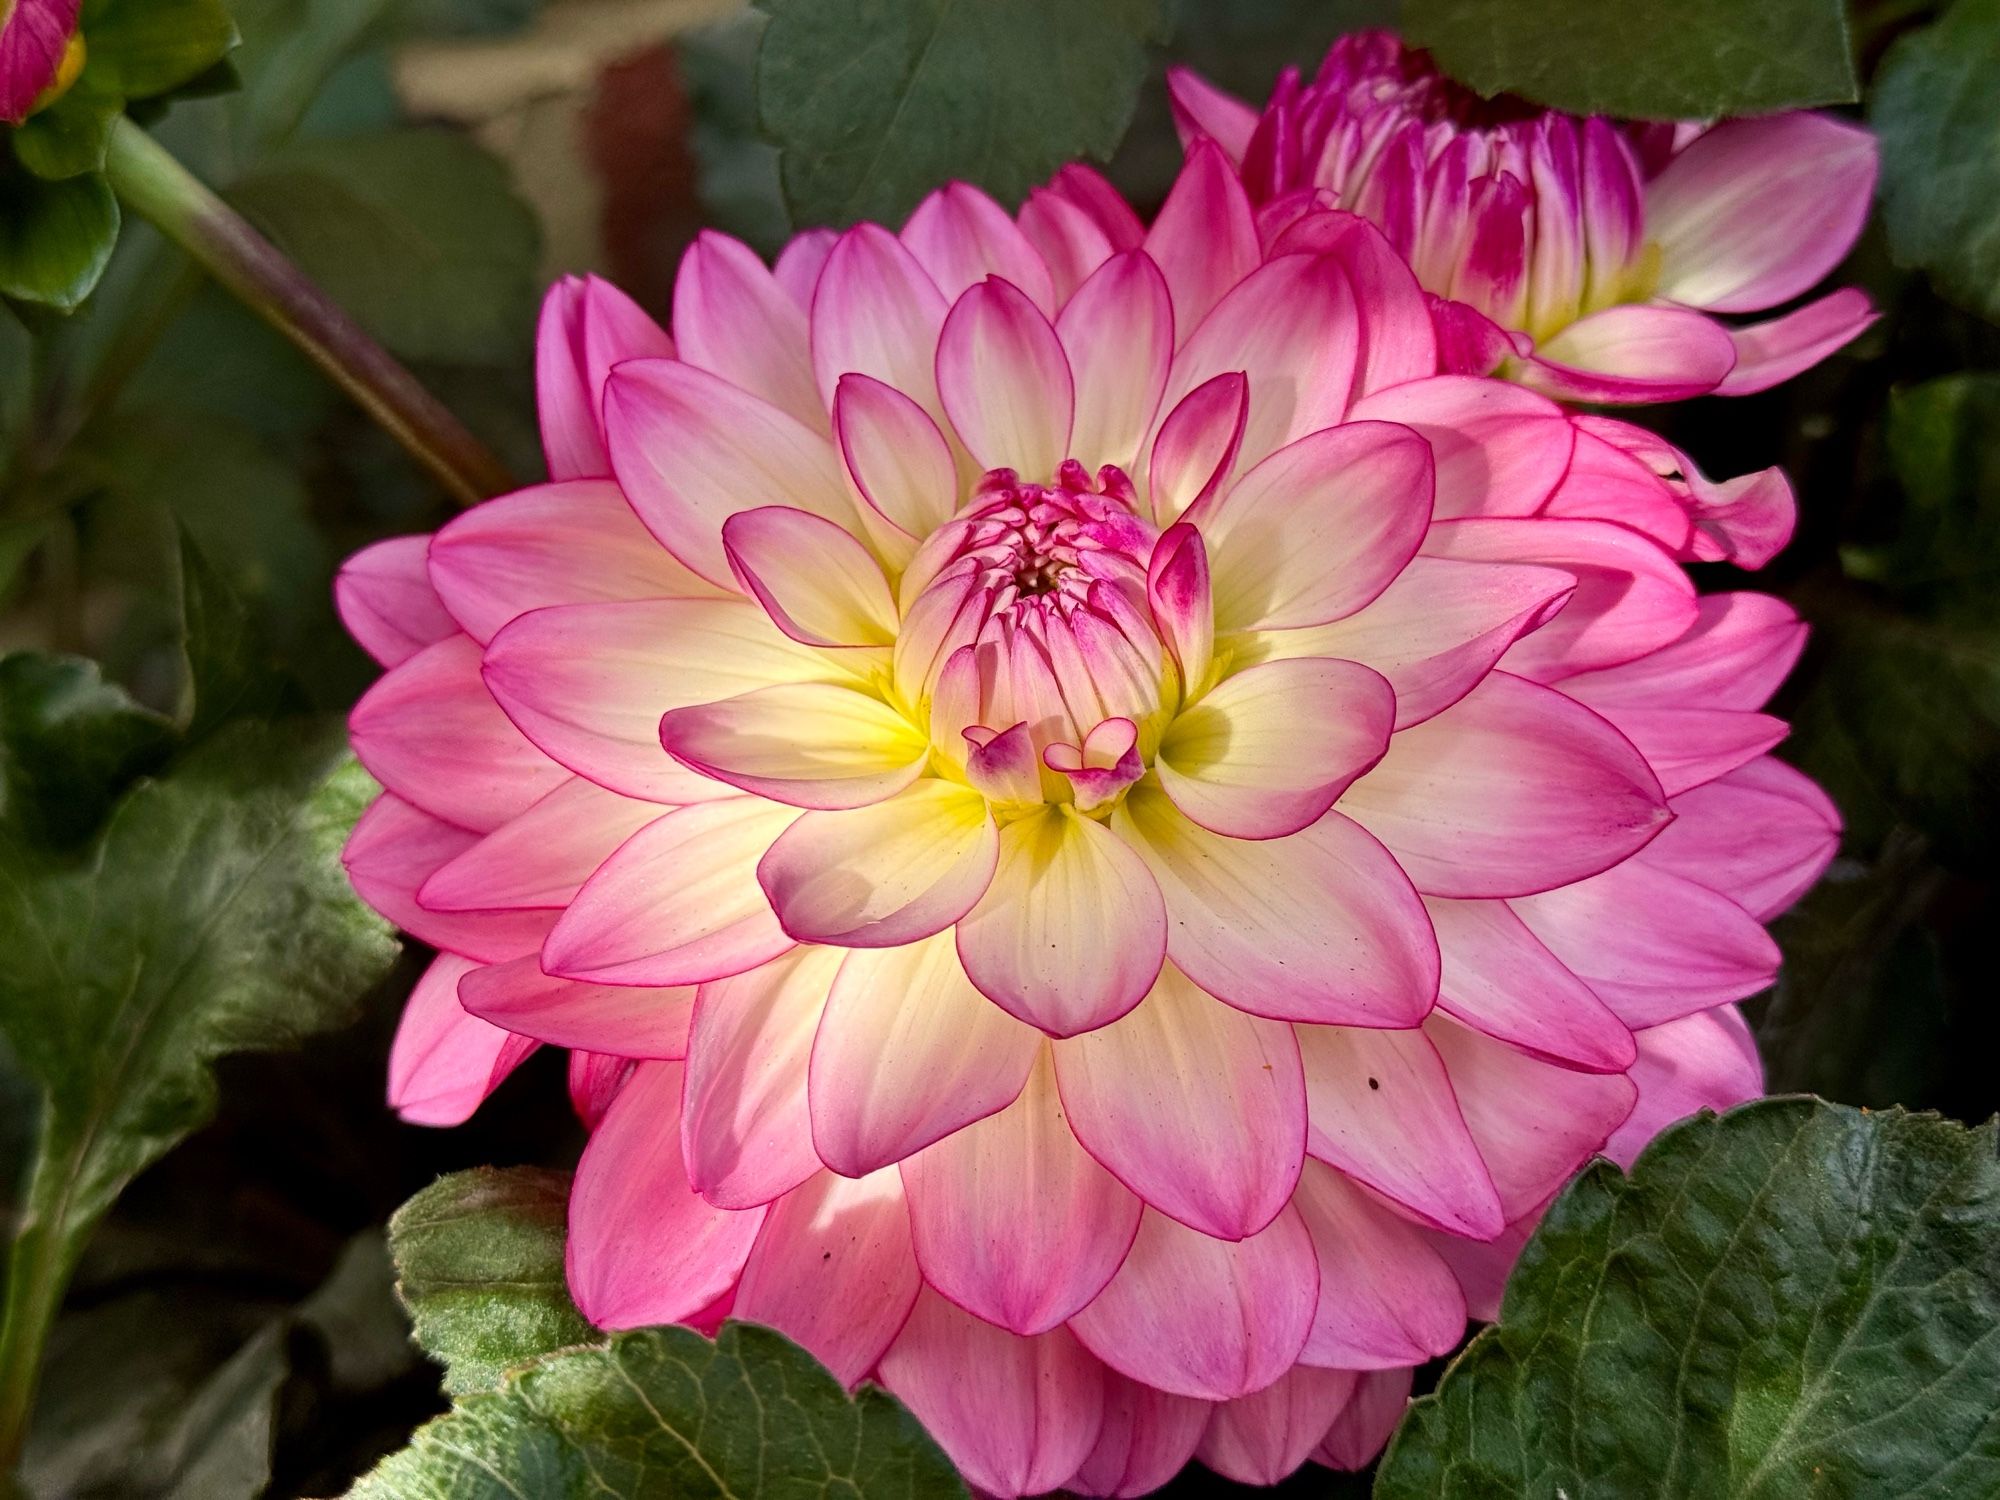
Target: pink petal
444 1061
1118 334
1107 207
1382 1110
573 543
1067 238
1775 350
1760 835
618 1019
1204 238
1014 1221
882 876
816 745
643 1246
1319 926
1633 352
387 603
594 1081
1194 455
1386 1299
1196 1107
1482 1266
1182 601
430 732
833 1272
1499 979
33 39
961 236
1270 749
896 456
1262 1437
733 319
1704 1061
1512 789
907 1053
1361 1430
395 848
1689 747
800 262
1399 338
678 903
1734 656
1072 931
745 1132
1203 110
1017 1415
818 584
1005 381
1530 1151
1500 450
877 312
572 432
689 449
1148 1437
1608 481
1318 529
1757 210
542 857
1652 945
1213 1319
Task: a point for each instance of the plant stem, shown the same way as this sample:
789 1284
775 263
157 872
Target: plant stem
38 1267
154 185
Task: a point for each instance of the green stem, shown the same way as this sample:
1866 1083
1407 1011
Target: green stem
38 1268
150 182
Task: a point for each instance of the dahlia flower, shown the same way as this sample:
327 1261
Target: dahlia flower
1583 257
1101 836
39 51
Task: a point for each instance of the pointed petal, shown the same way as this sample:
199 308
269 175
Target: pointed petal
541 858
1633 352
386 601
733 319
800 262
445 1061
1760 835
815 745
877 312
1067 238
961 236
572 437
611 1018
1005 381
1181 599
1148 1437
1500 450
1361 1430
1704 1061
395 848
1201 109
817 583
894 453
1262 1437
1689 747
1735 655
1118 335
1386 1299
1194 455
1775 350
1204 239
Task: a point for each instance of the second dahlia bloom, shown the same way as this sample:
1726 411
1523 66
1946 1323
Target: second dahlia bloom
1102 837
1584 257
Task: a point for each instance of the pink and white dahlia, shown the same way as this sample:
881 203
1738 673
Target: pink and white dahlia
1102 837
1584 257
40 51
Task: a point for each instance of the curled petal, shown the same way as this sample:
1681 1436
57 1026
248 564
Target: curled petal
1005 380
1201 109
813 745
896 456
445 1060
615 1018
1194 456
1633 352
733 319
1775 350
386 601
816 582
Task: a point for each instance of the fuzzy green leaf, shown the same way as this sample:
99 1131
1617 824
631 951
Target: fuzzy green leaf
70 742
1796 1299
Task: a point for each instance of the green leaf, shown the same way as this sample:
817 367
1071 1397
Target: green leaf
1796 1299
139 48
465 17
416 232
69 744
55 237
996 92
71 136
1936 110
663 1412
479 1264
1692 60
230 673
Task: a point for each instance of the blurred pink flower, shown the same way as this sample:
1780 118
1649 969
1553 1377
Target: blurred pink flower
34 35
1583 257
1102 836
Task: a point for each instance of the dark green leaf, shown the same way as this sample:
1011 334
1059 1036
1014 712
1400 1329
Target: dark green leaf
1936 108
55 237
738 184
416 232
70 743
876 102
139 48
70 137
1692 60
663 1412
465 17
1796 1299
479 1263
230 672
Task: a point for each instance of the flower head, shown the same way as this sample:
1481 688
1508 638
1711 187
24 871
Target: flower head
1581 256
40 53
1103 836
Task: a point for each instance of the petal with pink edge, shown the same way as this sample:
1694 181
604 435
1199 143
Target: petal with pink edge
1399 341
1148 1437
745 1133
1500 450
1386 1299
1069 240
678 903
1319 926
1364 1424
1196 1107
594 1081
1633 352
1755 211
445 1061
1018 1415
1775 350
1734 656
732 319
590 682
1511 790
800 262
1689 747
1262 1437
832 1271
615 1018
961 236
542 857
818 584
386 600
1208 1318
1704 1061
690 449
1319 529
1204 239
815 745
1118 334
395 848
1072 931
573 543
572 436
1760 835
1271 748
895 455
907 1053
1194 454
643 1246
1381 1109
1005 381
882 876
1014 1221
877 312
1201 109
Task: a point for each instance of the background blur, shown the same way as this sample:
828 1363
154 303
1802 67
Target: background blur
435 163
